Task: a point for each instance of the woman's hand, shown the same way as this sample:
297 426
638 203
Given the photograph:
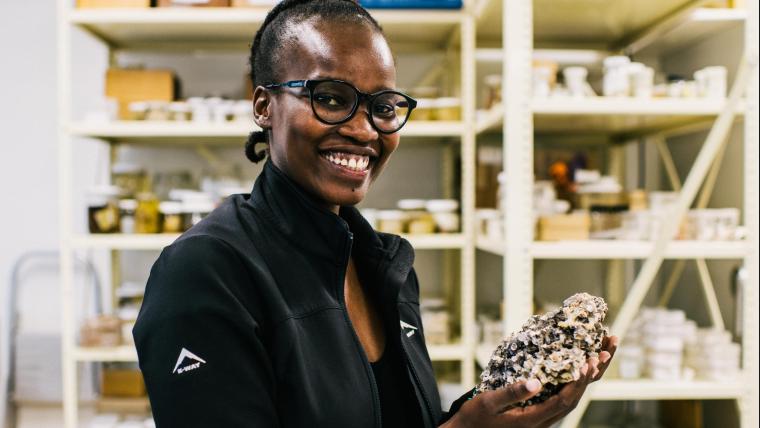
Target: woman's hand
494 408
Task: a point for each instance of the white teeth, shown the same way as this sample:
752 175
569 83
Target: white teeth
351 161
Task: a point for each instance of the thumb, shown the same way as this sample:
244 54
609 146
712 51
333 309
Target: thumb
501 399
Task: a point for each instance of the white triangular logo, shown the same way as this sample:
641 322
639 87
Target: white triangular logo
187 354
411 328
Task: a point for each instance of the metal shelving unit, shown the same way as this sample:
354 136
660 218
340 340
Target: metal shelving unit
518 29
211 29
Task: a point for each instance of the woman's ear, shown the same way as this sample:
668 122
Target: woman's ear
262 107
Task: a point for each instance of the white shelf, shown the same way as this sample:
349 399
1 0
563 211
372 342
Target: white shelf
450 352
235 27
647 389
618 249
436 241
118 353
610 115
580 23
699 24
144 132
118 241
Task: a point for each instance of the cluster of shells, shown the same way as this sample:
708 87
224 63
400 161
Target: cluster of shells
552 348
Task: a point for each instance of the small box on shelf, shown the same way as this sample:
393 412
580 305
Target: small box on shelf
193 3
113 4
129 85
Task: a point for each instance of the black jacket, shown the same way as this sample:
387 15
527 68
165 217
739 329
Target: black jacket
244 322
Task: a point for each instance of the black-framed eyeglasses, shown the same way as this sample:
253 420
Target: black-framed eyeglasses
336 101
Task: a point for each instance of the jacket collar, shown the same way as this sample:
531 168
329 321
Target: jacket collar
311 227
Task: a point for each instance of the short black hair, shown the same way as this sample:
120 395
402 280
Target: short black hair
270 44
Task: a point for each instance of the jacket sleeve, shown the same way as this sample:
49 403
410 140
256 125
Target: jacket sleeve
199 348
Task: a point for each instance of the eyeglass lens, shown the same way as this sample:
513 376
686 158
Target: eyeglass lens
333 102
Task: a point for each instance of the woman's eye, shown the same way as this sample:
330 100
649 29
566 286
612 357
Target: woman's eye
329 100
383 110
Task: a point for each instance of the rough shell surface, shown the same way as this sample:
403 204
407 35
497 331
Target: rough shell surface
551 348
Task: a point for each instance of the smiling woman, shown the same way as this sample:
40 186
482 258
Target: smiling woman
284 307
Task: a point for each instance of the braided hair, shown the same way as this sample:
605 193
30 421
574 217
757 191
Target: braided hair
267 49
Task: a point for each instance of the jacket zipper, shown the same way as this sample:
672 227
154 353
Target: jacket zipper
419 384
365 360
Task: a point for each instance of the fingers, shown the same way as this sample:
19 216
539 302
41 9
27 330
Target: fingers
610 345
553 409
496 401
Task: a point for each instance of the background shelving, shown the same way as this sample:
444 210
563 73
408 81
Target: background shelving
507 31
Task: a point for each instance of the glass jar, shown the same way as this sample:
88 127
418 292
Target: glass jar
194 211
127 209
146 214
424 110
172 220
493 90
605 219
130 177
179 111
445 215
436 320
418 221
103 209
449 109
390 221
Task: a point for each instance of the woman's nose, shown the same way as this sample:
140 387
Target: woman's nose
360 127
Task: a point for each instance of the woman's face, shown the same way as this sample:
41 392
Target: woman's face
301 145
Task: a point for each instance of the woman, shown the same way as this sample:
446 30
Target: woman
284 307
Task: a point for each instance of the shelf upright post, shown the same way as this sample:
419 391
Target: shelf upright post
748 404
518 161
65 198
467 34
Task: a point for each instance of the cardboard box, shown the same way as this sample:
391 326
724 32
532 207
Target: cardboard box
564 227
193 3
127 85
122 383
103 4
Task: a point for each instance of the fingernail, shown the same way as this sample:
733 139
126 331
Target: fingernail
533 385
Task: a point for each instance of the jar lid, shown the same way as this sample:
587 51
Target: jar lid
128 204
442 205
390 215
138 106
425 103
616 61
126 168
170 207
411 204
105 190
447 102
180 107
203 207
487 213
492 80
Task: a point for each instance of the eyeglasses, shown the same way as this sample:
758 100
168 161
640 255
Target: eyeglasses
335 102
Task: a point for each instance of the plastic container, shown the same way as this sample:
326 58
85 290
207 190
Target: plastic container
445 214
711 82
103 209
436 320
492 84
195 210
616 81
391 221
127 209
242 111
575 80
180 111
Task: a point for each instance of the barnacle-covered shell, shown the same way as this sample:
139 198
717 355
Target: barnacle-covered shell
551 347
